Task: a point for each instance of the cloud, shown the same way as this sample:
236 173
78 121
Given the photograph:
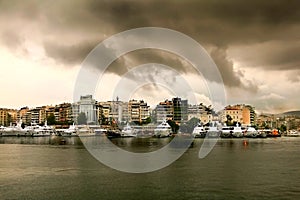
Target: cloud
11 39
272 96
237 34
271 55
294 76
139 57
68 54
231 77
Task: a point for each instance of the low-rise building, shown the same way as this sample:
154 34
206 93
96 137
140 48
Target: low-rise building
238 113
4 117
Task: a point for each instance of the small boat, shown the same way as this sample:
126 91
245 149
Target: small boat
163 130
274 133
113 134
128 131
199 131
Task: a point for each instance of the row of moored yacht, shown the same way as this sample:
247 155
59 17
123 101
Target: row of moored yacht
217 130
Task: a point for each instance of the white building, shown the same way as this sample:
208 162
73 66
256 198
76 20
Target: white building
88 106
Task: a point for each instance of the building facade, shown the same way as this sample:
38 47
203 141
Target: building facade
238 113
164 111
88 106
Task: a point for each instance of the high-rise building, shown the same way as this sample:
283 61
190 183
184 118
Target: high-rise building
176 109
180 110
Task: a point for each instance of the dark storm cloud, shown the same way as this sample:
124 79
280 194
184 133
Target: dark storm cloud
230 77
216 23
271 55
144 56
69 54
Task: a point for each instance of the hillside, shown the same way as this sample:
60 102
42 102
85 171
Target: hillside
291 113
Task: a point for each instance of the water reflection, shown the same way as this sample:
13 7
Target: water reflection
146 144
51 140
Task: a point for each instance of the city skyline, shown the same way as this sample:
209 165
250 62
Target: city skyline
42 46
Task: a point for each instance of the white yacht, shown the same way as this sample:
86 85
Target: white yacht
71 131
163 130
13 130
8 131
128 131
293 133
226 131
1 129
251 132
213 130
42 130
85 131
262 133
237 131
199 131
100 131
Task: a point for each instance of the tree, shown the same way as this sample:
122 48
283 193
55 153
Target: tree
23 125
235 123
103 120
147 120
9 119
51 119
189 126
283 128
81 119
228 120
174 126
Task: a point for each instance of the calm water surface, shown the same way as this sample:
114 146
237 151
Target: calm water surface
43 168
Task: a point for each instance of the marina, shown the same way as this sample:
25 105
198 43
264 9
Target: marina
161 130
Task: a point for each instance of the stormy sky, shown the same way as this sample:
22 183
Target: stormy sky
255 45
